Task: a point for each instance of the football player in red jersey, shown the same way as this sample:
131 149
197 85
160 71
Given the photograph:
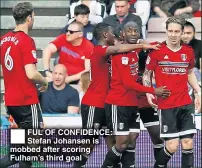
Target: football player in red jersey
147 114
173 65
121 102
18 60
92 105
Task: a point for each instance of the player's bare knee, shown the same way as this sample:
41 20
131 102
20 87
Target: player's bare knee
187 143
172 145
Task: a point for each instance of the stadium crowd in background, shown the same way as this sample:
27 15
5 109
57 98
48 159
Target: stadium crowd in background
97 10
81 14
139 8
183 8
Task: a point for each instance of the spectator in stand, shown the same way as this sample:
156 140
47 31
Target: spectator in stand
188 37
60 98
97 10
167 8
81 14
140 8
84 84
122 15
74 52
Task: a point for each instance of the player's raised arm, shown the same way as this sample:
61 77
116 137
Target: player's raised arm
121 48
47 54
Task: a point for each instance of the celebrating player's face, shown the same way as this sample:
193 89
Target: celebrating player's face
174 33
131 35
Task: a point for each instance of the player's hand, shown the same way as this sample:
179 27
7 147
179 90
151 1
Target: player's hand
149 46
44 87
162 92
150 98
49 75
49 79
197 103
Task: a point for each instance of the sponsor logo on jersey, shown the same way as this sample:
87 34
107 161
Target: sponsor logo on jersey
174 70
134 65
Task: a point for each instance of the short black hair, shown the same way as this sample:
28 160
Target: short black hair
21 11
132 23
189 24
100 28
81 10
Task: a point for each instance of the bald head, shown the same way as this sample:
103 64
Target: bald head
76 26
61 68
59 76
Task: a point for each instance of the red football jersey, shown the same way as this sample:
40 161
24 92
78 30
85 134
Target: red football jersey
73 56
171 70
18 50
141 97
100 76
123 86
